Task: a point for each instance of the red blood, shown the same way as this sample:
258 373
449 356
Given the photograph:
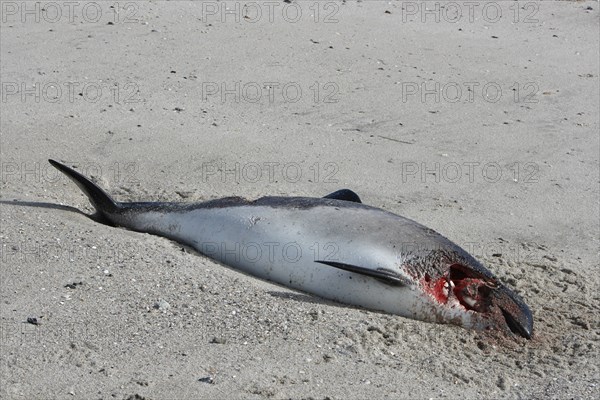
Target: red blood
435 288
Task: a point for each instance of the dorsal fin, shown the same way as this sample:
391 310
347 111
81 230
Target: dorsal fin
384 275
344 194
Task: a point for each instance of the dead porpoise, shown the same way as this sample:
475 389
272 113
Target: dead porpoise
334 247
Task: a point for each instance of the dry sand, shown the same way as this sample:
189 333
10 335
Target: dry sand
484 129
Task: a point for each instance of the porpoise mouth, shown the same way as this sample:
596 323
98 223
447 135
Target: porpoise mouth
480 294
471 290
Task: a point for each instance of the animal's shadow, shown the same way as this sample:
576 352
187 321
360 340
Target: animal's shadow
302 298
42 204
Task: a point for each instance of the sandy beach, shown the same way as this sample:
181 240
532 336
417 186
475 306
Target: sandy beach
479 120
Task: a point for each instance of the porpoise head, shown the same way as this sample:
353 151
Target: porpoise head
469 292
450 286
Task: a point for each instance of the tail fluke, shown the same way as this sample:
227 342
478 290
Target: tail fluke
103 203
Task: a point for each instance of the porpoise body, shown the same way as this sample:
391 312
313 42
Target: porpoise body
334 247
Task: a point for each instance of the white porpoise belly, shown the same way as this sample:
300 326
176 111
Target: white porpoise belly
281 245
